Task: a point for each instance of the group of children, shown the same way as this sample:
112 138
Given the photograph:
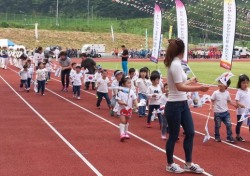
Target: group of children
150 92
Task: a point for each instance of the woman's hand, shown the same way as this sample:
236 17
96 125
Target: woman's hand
193 80
204 88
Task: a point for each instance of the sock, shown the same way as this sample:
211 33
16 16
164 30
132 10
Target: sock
122 128
126 128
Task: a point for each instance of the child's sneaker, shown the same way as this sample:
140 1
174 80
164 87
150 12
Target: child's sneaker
163 137
175 168
127 136
122 137
111 112
78 98
193 168
63 89
217 139
240 139
148 125
230 139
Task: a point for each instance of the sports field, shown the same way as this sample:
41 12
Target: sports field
205 71
56 135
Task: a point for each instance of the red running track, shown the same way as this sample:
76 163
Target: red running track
98 140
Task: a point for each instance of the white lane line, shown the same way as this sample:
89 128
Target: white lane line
55 131
111 123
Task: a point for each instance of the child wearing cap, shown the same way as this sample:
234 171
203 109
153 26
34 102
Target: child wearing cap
115 83
220 100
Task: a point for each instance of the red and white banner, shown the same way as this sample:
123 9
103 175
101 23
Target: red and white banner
182 26
229 23
157 34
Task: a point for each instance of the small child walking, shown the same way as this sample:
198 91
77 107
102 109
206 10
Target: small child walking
77 82
102 88
24 77
125 98
115 83
163 102
220 100
242 101
142 84
154 94
41 78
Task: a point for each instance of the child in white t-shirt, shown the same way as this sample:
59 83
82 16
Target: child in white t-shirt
142 84
115 83
72 72
163 102
24 77
220 100
243 102
125 98
77 79
98 73
102 85
41 77
154 94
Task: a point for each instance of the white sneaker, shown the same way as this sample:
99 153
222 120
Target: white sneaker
175 168
193 168
78 98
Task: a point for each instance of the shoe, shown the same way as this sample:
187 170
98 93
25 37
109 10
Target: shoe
111 112
93 88
98 107
78 98
195 168
127 136
140 116
148 125
86 88
74 95
66 90
163 137
43 94
240 139
63 89
217 139
230 140
122 137
175 168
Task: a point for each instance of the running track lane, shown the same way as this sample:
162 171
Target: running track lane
28 146
180 149
200 126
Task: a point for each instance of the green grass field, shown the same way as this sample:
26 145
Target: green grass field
206 72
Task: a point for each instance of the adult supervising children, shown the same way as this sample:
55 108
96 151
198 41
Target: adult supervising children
177 110
65 63
124 60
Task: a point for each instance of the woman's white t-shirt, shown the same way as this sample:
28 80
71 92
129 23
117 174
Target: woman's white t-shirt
176 75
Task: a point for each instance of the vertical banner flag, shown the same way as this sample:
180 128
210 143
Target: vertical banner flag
182 26
170 32
36 31
146 38
112 33
229 23
157 34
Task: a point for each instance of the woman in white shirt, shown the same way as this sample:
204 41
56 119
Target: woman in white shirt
177 111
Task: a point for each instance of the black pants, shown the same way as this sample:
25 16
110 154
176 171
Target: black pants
77 90
23 82
100 96
88 83
65 75
238 126
28 82
178 113
41 86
